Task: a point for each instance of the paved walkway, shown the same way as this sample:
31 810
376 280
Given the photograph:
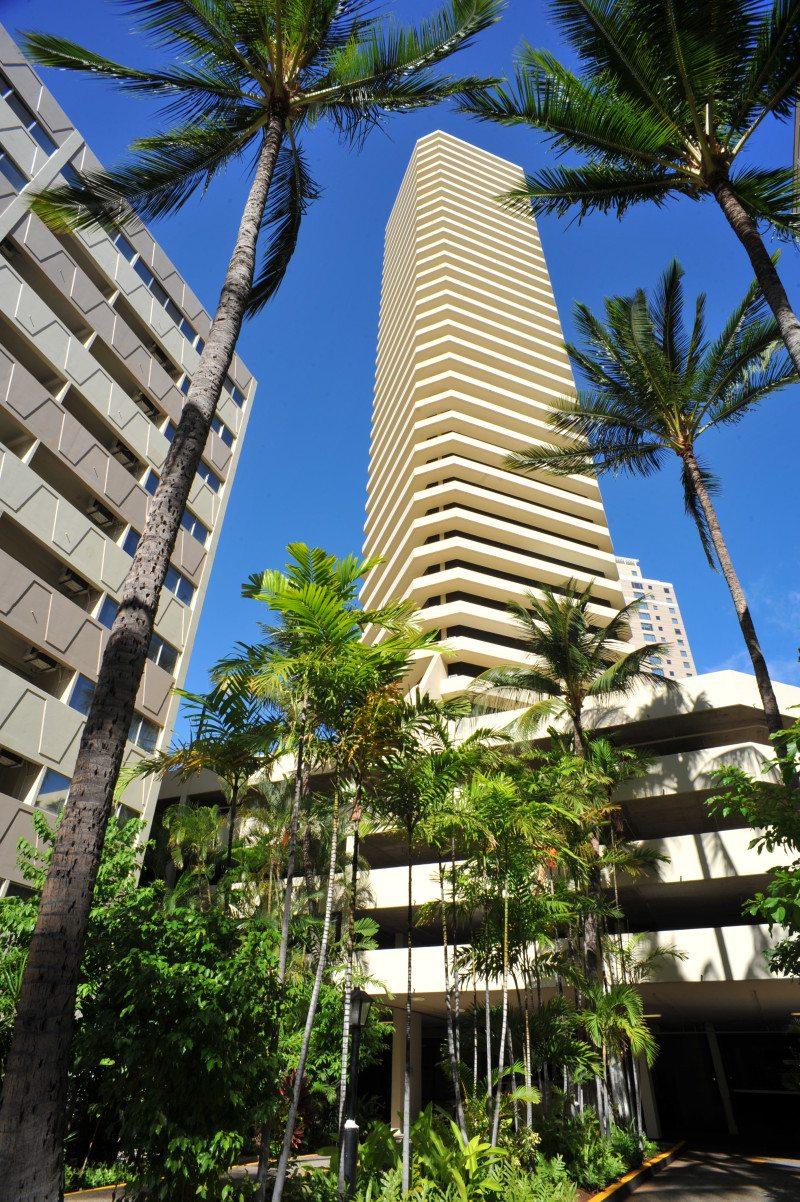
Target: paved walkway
723 1177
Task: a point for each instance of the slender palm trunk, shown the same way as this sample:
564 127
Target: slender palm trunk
265 1135
456 969
348 992
406 1158
231 834
772 714
746 230
501 1053
34 1096
452 1054
322 959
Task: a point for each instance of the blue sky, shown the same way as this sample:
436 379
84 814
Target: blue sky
303 468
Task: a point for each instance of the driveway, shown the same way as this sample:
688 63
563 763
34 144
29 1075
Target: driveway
723 1177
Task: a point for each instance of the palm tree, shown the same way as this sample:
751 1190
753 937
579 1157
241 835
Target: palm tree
656 385
231 735
193 843
239 76
315 667
668 98
572 660
613 1018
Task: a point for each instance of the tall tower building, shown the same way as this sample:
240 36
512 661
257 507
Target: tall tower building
99 337
658 620
470 359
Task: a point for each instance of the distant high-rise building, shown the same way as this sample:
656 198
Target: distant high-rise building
99 337
470 360
658 620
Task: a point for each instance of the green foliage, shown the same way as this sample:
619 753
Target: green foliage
592 1158
769 806
171 1050
544 1181
93 1176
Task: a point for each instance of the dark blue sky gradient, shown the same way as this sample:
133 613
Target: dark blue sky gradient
303 468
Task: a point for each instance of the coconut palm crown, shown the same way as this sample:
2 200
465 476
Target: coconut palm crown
666 101
572 659
234 66
658 382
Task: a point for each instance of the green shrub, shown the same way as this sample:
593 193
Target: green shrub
592 1158
546 1181
92 1176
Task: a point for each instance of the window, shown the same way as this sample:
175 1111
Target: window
672 673
639 587
11 171
20 109
131 541
151 482
211 478
143 733
125 248
162 653
81 695
169 431
234 392
647 625
650 638
184 385
195 527
53 791
107 612
219 427
679 642
179 585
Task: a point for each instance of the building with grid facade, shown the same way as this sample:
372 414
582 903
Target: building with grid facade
99 337
658 619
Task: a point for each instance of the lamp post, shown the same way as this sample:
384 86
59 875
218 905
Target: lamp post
360 1004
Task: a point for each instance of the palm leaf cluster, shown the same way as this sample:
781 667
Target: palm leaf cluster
666 97
572 657
234 66
658 382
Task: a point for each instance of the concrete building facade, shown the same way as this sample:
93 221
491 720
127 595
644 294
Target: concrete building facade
657 620
99 337
470 359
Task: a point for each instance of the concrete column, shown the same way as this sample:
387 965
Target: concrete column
652 1124
722 1080
398 1067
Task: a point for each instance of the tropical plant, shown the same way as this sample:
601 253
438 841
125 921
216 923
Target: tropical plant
656 384
572 657
316 667
230 735
666 102
769 807
192 842
239 76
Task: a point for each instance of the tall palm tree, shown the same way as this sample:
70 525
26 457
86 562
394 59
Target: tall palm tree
572 659
657 384
193 844
666 102
239 76
315 667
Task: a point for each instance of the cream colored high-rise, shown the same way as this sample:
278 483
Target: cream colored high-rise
470 359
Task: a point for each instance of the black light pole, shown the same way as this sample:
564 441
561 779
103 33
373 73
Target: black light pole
360 1003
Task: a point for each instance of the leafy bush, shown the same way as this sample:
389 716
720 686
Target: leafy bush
592 1158
93 1175
547 1181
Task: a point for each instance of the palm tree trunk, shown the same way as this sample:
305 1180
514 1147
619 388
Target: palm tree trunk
501 1053
32 1117
231 833
348 992
455 1075
265 1135
772 714
322 959
746 230
406 1171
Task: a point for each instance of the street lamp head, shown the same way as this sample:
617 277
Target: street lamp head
360 1003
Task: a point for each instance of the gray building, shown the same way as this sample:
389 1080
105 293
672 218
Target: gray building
99 337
